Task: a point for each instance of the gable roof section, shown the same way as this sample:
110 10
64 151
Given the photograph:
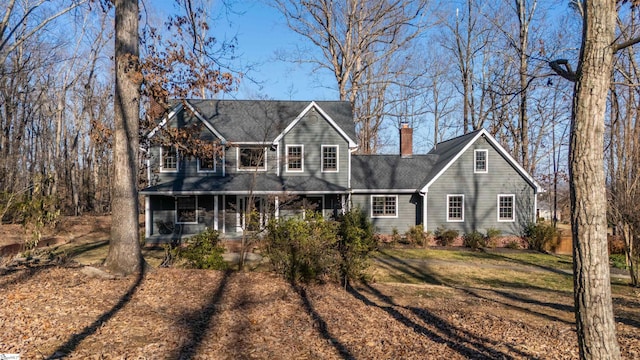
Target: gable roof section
390 173
327 117
175 109
263 121
449 151
260 121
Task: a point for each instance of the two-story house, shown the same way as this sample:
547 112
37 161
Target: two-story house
278 158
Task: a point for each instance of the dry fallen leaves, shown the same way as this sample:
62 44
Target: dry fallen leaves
175 313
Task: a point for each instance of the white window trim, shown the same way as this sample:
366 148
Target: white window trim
513 207
215 165
337 159
239 168
176 212
449 196
162 169
286 168
486 161
383 216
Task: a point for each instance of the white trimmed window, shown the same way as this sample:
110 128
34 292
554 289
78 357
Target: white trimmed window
295 158
384 206
455 207
206 164
481 158
168 159
506 207
186 210
329 158
252 158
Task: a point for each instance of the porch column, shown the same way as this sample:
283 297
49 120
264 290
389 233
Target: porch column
224 214
343 203
216 218
147 217
276 204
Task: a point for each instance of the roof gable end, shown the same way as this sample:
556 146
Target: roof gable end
464 145
176 110
314 105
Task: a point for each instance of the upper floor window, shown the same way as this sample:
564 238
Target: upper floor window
480 161
329 158
384 206
505 207
455 207
252 158
168 159
206 164
295 156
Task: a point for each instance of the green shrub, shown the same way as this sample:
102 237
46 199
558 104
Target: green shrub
445 237
416 235
202 251
312 249
512 244
539 235
355 243
474 240
302 249
491 238
618 261
395 235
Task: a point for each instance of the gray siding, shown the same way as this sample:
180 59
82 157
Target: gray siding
313 131
480 192
408 209
187 165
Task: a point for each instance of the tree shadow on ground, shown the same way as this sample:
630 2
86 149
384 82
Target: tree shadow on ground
15 276
467 344
497 256
521 301
403 266
321 324
199 322
63 350
84 248
471 347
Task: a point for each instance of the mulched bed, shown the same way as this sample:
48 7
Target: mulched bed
53 312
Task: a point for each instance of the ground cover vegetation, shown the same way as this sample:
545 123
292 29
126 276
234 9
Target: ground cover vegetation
414 302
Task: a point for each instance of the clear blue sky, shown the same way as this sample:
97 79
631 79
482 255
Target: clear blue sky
261 32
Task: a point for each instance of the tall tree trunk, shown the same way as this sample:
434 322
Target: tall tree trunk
592 287
124 248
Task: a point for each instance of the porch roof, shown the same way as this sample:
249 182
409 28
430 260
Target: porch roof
256 183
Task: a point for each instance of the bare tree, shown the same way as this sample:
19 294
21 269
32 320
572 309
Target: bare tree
624 150
592 287
358 39
124 255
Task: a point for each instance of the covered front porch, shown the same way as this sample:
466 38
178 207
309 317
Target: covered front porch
173 217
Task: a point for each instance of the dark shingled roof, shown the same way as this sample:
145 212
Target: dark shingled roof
263 120
242 183
384 172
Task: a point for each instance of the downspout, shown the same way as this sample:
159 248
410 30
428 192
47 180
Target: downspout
424 211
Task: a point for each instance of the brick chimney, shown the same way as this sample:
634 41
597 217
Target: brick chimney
406 140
